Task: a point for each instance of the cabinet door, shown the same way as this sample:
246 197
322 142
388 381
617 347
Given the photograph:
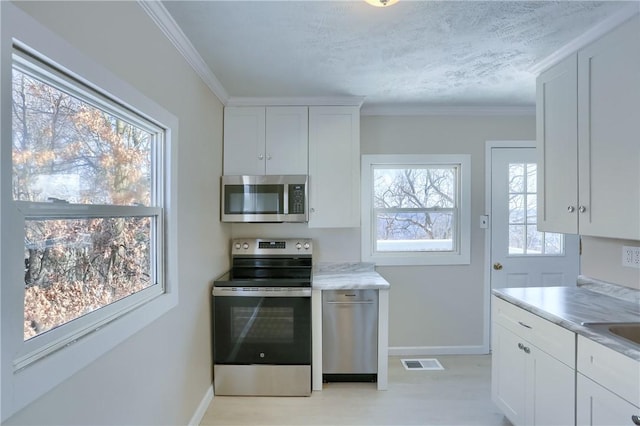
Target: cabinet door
557 144
287 141
508 374
551 390
609 125
244 139
334 167
597 406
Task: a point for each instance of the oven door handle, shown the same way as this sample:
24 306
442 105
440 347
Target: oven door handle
261 292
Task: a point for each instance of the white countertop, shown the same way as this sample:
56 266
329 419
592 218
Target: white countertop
570 307
347 276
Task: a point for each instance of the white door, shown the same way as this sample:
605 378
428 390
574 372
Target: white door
520 255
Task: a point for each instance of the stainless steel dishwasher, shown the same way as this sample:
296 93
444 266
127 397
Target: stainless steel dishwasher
349 335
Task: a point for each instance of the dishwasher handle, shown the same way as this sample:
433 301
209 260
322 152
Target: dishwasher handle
351 302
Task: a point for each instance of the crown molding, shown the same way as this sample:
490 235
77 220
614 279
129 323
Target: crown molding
416 110
587 37
296 101
159 14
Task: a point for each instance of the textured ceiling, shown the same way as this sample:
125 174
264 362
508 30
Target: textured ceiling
427 53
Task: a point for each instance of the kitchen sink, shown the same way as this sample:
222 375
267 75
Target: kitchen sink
629 331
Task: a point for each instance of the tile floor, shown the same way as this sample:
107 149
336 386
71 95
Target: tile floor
458 395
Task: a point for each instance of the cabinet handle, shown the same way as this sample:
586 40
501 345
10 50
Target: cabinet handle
524 325
527 350
635 419
571 209
520 346
268 156
582 209
260 157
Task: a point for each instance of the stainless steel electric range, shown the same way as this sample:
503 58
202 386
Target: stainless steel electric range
262 319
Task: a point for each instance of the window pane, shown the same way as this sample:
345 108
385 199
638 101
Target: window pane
516 209
532 183
415 231
553 243
516 177
517 239
75 266
535 240
415 188
66 149
532 209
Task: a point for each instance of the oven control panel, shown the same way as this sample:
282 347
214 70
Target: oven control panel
257 246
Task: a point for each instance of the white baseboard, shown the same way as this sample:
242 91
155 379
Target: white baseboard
202 407
437 350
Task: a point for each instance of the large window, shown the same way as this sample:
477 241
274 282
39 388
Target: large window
72 147
88 229
415 209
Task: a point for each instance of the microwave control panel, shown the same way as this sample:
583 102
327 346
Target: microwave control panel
296 199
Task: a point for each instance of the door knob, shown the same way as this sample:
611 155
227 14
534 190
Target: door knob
497 266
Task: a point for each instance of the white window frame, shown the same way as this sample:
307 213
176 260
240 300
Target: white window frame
462 243
29 369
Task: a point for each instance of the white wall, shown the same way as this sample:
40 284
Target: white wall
602 259
160 374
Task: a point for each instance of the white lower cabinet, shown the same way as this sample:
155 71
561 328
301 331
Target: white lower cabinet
533 378
598 406
608 386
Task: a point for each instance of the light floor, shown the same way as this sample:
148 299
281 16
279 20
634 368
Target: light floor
458 395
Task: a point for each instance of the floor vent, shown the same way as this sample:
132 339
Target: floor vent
422 364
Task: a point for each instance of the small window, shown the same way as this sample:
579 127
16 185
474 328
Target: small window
415 209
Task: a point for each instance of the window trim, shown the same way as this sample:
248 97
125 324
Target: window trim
461 256
24 380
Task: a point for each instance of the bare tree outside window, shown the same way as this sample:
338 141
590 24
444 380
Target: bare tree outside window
415 208
524 237
66 152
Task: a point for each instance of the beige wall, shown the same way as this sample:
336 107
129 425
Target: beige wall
442 306
602 259
159 375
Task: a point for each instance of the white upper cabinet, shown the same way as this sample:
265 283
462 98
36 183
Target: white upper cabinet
266 140
334 166
557 140
588 127
609 134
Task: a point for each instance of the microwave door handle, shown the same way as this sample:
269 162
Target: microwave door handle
286 199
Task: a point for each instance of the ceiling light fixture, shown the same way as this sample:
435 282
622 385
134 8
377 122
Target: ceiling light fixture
381 3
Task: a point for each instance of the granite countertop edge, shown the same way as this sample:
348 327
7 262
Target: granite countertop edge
347 276
574 323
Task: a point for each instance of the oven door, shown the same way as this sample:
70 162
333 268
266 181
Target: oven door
262 326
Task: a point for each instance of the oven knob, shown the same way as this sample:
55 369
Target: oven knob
307 246
298 246
237 246
261 354
245 246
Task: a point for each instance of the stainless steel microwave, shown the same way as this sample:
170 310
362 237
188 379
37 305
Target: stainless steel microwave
271 198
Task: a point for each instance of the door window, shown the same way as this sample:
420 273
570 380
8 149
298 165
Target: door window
524 237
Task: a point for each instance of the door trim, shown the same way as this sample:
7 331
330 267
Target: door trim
489 145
